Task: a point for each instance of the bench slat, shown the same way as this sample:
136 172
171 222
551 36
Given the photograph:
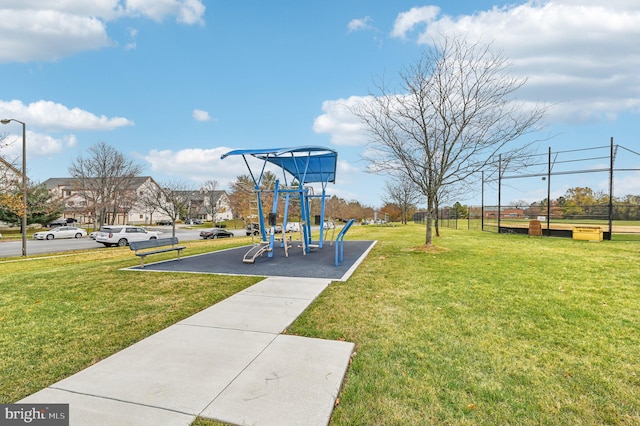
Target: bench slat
154 243
146 253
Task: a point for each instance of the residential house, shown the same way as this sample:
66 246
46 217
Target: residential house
204 202
128 208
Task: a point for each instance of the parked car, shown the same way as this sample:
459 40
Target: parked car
122 235
93 235
164 222
253 229
215 233
61 222
60 232
293 227
194 222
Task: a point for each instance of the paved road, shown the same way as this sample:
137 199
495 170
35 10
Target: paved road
14 247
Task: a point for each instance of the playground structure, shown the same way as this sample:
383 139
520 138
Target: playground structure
300 167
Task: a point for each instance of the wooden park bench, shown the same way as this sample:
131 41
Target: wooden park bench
154 246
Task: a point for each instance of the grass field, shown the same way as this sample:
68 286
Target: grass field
487 329
484 329
60 314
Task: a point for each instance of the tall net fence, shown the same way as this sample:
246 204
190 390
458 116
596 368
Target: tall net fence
595 187
517 220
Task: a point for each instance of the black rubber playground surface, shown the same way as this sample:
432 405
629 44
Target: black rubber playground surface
318 263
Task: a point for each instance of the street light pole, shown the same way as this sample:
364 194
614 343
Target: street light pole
24 181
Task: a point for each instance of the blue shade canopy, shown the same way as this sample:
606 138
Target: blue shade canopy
307 164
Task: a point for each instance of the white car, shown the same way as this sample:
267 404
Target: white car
60 232
122 235
293 227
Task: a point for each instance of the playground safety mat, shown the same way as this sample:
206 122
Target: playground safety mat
318 263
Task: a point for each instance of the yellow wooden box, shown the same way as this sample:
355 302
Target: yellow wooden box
588 233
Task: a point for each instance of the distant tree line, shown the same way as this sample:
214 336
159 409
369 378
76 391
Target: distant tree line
585 203
576 203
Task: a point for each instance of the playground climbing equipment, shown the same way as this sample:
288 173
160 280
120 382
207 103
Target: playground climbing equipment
301 167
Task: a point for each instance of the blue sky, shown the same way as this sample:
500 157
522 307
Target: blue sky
176 83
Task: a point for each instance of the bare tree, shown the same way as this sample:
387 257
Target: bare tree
402 192
455 113
104 178
10 191
10 176
212 195
171 198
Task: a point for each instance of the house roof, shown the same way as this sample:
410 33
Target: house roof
70 182
307 164
199 194
10 166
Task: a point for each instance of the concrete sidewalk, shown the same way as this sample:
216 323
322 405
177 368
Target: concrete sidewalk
228 362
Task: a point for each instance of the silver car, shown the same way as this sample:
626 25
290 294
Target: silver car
60 232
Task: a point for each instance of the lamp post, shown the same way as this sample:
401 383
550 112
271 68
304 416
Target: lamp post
24 181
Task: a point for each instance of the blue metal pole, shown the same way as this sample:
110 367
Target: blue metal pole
322 207
263 234
274 211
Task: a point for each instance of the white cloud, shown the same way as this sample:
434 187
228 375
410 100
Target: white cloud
339 122
629 184
581 55
407 21
359 24
186 11
191 12
34 30
47 35
41 145
55 116
131 45
38 144
102 9
200 115
345 173
197 164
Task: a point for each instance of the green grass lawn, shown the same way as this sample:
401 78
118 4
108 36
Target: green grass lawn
485 329
60 314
